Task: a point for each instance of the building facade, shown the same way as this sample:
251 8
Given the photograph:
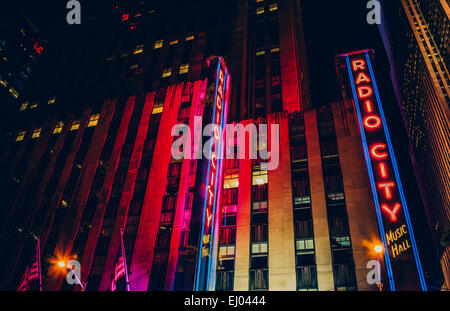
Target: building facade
418 50
93 156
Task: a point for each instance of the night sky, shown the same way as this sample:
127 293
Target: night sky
331 27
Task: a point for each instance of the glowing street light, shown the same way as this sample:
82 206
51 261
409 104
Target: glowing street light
379 249
62 264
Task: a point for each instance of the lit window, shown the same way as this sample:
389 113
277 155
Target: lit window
109 59
151 11
125 17
226 251
273 7
273 50
36 133
231 180
139 49
75 125
158 44
189 38
167 72
258 1
173 42
134 66
260 10
259 248
3 82
137 15
157 110
93 120
184 68
24 106
52 100
259 177
259 53
13 92
58 128
34 105
21 136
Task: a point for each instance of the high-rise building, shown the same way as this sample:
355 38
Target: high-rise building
98 157
416 36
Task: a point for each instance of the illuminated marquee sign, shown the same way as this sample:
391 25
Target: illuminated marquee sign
401 256
207 250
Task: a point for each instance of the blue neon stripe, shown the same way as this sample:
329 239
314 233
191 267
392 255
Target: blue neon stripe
372 179
199 261
397 177
219 165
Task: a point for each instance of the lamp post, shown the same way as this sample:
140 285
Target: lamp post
379 249
62 264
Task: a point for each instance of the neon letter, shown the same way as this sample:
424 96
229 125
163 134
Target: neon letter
365 91
372 122
383 170
392 213
387 188
362 77
375 154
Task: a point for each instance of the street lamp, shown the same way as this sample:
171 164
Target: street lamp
62 264
379 249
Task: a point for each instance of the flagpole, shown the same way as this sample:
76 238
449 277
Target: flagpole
39 262
124 260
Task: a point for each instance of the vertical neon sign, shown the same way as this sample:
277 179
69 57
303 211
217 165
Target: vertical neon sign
401 256
207 253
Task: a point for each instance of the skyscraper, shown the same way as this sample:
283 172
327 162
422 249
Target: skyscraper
95 156
415 34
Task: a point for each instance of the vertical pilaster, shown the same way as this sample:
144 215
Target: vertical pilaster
319 208
281 229
358 198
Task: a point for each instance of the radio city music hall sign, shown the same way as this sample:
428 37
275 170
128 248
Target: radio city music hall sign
402 260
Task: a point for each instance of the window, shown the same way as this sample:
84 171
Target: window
184 68
34 105
273 7
226 251
274 49
93 120
13 92
260 10
24 106
305 245
259 248
259 53
21 136
158 44
189 38
158 107
167 72
173 42
259 177
58 128
231 179
139 49
52 100
75 126
36 133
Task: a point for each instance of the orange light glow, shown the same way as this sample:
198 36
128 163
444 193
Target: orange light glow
387 188
383 170
362 77
392 213
369 106
378 248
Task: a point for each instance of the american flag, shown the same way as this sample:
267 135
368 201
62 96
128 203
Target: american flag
32 272
119 273
120 280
